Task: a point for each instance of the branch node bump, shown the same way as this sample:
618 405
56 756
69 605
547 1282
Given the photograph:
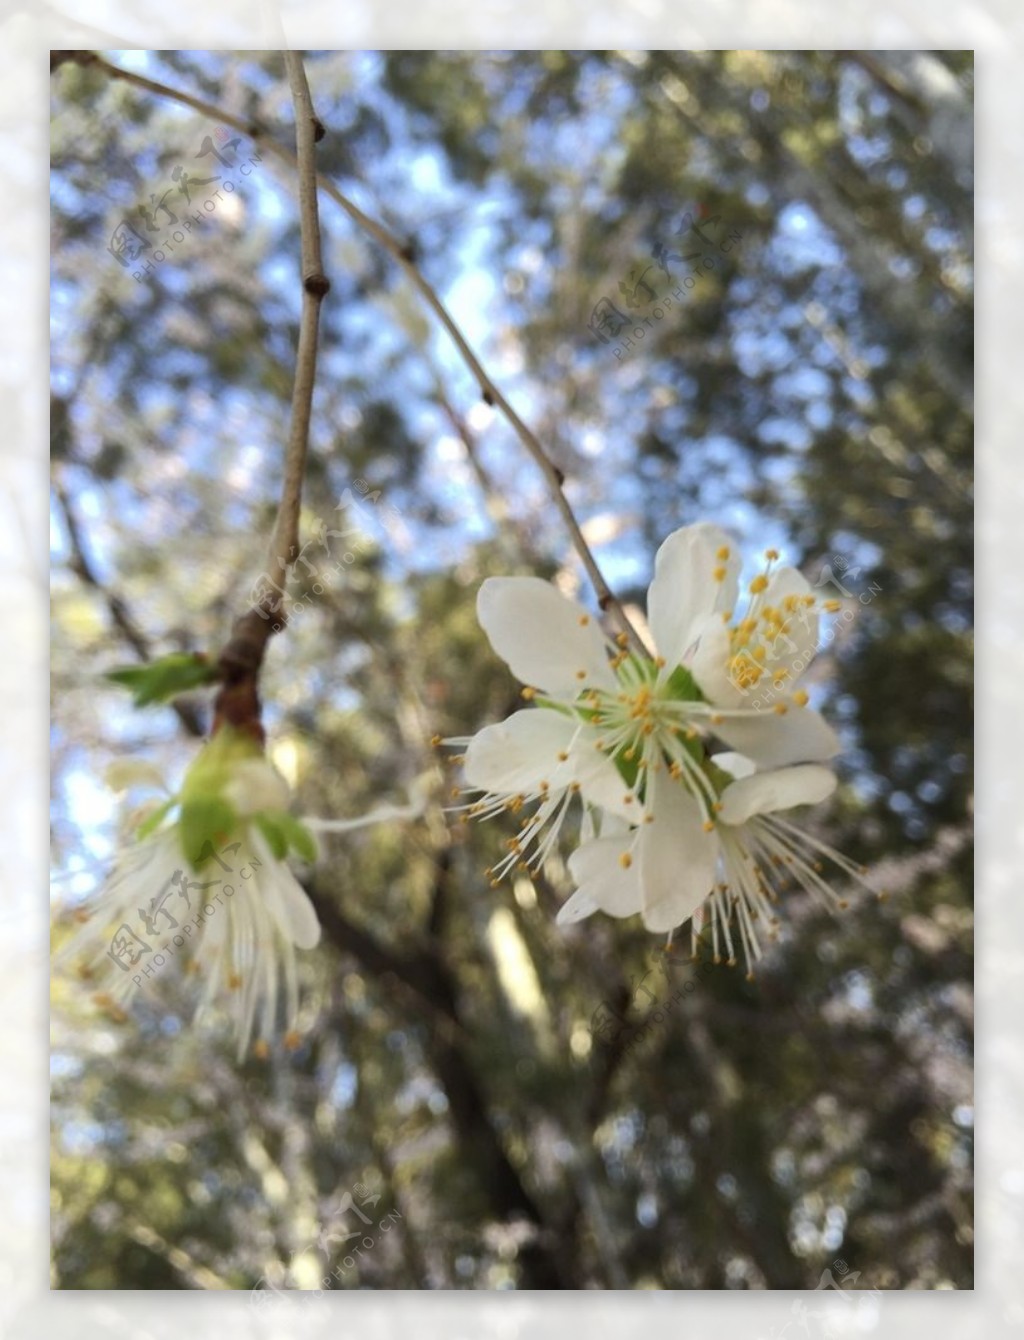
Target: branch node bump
318 285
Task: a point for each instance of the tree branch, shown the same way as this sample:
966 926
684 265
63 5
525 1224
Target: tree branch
315 285
403 254
241 659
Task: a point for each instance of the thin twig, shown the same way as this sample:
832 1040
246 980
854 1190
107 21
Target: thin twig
403 254
315 285
240 661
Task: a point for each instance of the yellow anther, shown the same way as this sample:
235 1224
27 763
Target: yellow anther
759 584
771 555
455 793
581 674
709 825
234 981
292 1040
716 719
719 574
659 661
800 698
529 694
435 740
676 771
627 799
780 709
625 860
723 553
622 639
584 620
832 606
563 756
260 1050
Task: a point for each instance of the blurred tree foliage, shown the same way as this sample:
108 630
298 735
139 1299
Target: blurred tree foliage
812 388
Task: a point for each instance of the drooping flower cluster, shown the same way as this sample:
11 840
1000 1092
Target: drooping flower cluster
684 761
206 885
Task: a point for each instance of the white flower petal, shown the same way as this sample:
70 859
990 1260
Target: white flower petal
736 765
575 908
676 856
600 781
780 789
597 869
544 638
285 898
612 826
709 664
772 741
793 649
519 753
684 591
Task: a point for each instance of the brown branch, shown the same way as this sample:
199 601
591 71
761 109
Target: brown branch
315 285
240 661
402 253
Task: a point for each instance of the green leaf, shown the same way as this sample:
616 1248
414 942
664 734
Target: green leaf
300 839
283 832
206 825
158 681
271 828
